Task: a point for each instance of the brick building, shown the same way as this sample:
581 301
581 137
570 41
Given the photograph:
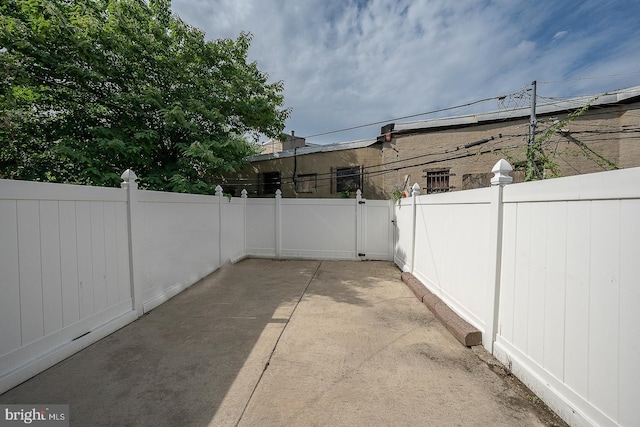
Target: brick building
457 153
454 153
334 170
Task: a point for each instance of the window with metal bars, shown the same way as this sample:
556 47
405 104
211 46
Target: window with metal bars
270 183
438 181
348 179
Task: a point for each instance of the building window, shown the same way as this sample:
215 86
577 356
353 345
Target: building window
438 181
348 179
306 183
270 183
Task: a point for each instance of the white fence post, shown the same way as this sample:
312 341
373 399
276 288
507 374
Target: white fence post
244 194
219 194
392 231
278 223
131 186
500 179
415 192
359 225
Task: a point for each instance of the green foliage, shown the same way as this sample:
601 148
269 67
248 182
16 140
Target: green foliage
540 158
396 195
90 88
540 163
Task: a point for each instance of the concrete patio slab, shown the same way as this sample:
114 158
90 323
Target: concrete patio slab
275 343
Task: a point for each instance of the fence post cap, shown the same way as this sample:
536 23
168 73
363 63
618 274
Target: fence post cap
128 176
278 193
219 191
244 193
129 180
358 193
415 189
501 173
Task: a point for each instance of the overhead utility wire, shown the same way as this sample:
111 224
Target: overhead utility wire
503 137
499 98
329 175
408 117
430 162
321 178
460 156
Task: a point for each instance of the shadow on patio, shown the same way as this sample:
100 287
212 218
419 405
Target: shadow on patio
352 347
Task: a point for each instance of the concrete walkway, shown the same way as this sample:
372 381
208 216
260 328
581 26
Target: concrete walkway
285 343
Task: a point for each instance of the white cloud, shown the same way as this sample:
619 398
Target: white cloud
560 34
346 63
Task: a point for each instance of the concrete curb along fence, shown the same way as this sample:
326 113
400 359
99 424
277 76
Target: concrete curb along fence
459 328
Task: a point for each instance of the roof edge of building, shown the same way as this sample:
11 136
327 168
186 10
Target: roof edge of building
314 148
607 98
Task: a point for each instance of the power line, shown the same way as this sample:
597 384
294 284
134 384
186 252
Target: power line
325 181
370 170
520 96
367 170
409 116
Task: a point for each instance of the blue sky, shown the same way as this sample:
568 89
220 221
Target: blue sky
348 63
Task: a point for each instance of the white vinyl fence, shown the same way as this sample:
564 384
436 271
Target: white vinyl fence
78 262
64 271
550 273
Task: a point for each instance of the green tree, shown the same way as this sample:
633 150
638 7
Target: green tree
92 87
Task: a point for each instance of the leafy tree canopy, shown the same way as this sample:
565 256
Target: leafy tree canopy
92 87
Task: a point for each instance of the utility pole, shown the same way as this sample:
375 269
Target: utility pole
531 161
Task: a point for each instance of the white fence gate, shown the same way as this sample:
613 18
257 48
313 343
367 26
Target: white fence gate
350 229
375 235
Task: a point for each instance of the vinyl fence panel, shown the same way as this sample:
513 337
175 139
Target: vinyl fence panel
570 279
64 272
561 306
451 250
180 235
